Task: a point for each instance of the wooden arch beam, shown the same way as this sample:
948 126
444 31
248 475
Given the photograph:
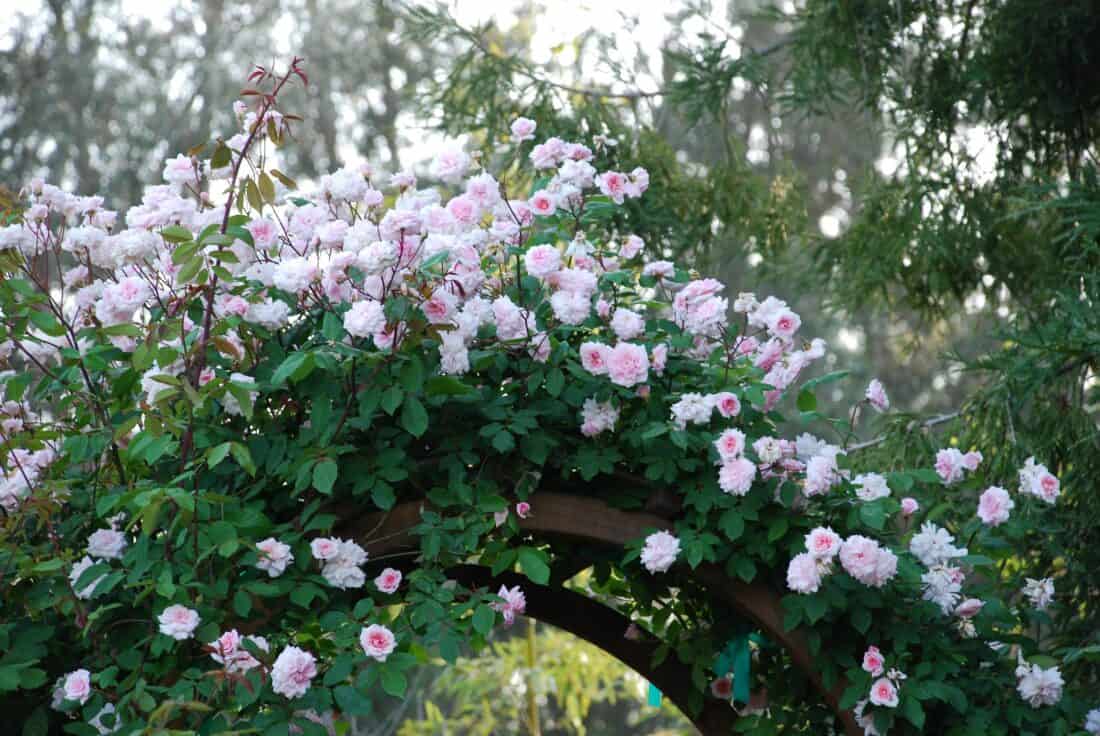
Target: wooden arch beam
605 627
589 519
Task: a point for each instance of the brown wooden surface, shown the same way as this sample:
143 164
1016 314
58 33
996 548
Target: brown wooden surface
591 520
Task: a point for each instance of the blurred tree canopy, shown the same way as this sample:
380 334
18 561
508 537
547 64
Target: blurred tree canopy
97 98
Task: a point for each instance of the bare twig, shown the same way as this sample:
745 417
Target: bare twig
914 425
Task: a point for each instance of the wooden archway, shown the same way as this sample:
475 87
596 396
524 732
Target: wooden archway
592 521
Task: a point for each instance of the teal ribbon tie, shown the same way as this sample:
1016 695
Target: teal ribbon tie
654 697
737 658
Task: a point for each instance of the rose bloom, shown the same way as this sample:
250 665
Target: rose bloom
909 506
542 260
722 688
388 581
994 506
632 247
274 556
884 693
659 359
803 574
969 608
972 460
543 203
727 404
325 548
523 129
876 395
628 364
523 509
377 641
660 551
512 602
730 444
178 622
736 476
866 561
106 544
292 672
823 543
785 324
873 661
78 686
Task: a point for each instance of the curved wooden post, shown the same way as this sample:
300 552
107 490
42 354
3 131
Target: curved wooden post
592 520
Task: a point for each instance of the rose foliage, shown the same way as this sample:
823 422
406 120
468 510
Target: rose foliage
204 398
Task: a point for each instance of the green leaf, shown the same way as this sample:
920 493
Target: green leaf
483 620
296 366
732 524
341 668
807 400
412 375
504 442
873 515
861 619
414 417
555 382
391 399
46 322
324 475
815 606
351 702
243 457
175 234
216 454
242 603
534 564
913 711
394 682
446 386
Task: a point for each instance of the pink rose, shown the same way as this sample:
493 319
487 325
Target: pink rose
595 357
377 641
876 395
543 203
823 543
523 509
324 548
659 358
628 364
873 661
994 506
513 602
909 506
388 581
736 476
292 672
613 184
78 686
523 129
803 574
730 444
722 688
969 608
542 260
884 693
178 622
727 404
785 324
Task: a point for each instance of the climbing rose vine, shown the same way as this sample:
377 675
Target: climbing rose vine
211 400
